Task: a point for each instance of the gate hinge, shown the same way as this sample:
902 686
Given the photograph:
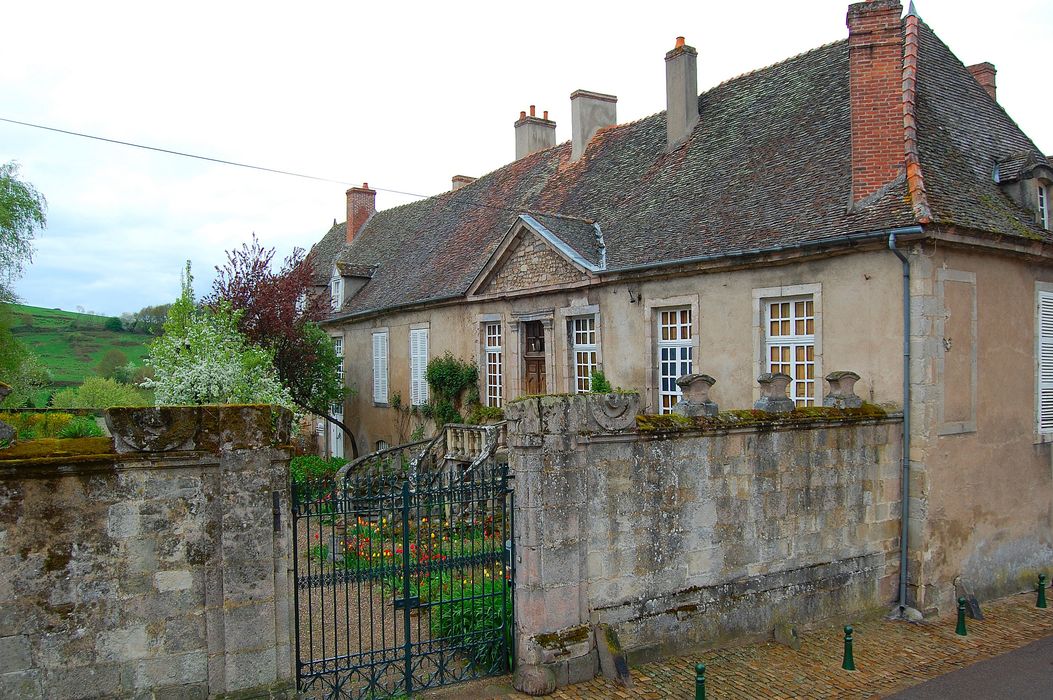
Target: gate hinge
277 500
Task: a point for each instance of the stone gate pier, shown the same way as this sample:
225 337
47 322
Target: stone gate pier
153 563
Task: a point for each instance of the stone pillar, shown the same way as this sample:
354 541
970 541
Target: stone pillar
842 392
696 400
554 640
773 393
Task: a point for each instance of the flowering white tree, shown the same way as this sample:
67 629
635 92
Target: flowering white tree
202 358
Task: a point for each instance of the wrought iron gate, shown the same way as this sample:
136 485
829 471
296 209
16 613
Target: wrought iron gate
403 578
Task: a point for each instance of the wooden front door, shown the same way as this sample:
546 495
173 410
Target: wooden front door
534 381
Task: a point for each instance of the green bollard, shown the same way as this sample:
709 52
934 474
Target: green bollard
700 682
1041 591
849 663
960 629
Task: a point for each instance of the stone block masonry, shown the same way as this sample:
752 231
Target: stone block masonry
152 564
687 538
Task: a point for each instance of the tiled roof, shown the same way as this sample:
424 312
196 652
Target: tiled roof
768 165
962 134
325 251
582 235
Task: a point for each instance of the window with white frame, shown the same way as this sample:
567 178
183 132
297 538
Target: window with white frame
336 292
418 366
494 355
380 367
1045 363
790 344
1043 205
674 355
585 352
338 348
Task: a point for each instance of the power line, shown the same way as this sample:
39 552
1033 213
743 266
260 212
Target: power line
206 158
458 200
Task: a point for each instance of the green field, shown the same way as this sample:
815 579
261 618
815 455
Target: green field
70 344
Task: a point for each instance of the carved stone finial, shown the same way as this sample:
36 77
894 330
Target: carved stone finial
842 392
695 401
773 398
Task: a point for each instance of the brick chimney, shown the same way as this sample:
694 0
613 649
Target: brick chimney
875 66
985 75
460 181
589 112
534 134
361 204
681 93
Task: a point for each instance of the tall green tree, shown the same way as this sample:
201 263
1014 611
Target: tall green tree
22 213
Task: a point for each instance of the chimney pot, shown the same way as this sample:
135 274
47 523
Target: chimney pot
522 114
589 112
534 133
544 115
681 93
985 75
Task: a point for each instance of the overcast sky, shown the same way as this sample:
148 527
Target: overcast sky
402 95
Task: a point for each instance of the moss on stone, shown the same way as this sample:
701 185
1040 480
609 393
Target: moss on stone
52 448
752 417
560 640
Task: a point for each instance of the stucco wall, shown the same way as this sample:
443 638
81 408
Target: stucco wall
859 309
694 538
982 490
150 564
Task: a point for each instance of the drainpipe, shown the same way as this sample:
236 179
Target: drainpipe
905 486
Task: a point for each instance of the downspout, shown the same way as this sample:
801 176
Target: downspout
905 486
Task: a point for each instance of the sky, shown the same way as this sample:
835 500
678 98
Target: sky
400 95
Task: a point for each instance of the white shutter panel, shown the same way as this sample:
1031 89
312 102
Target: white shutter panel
1045 362
418 366
380 367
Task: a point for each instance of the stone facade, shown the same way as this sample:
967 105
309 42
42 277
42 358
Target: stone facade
152 563
531 263
682 539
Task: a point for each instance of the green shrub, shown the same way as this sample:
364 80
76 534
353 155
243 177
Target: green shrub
600 385
482 414
476 609
113 324
30 426
97 392
306 468
81 426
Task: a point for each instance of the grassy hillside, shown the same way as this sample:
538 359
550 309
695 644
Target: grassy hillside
71 344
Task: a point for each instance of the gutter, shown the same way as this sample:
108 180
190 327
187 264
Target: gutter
904 530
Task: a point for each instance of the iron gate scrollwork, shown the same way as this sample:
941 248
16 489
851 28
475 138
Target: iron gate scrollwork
403 578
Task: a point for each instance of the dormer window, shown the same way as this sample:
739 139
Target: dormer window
1043 205
336 292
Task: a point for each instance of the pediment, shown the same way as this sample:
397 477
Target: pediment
531 257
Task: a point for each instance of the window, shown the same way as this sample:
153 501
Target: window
1045 362
336 292
790 344
338 348
1043 206
493 364
418 366
674 355
583 338
380 367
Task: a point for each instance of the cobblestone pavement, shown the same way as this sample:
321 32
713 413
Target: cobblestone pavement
889 657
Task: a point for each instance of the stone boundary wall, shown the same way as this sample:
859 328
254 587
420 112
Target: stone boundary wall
152 564
681 539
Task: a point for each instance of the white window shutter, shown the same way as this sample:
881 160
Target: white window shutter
418 366
380 367
1045 362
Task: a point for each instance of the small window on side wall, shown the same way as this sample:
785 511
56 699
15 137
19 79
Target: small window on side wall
1043 205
